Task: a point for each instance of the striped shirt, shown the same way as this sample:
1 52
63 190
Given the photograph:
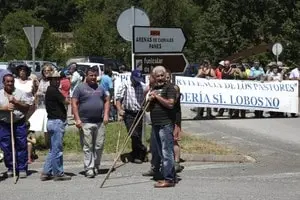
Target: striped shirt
130 96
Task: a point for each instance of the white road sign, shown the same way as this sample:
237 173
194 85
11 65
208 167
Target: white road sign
33 34
277 49
158 40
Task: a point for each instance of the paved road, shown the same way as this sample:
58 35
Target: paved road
199 181
275 175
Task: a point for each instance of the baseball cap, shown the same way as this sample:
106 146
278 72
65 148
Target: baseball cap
137 75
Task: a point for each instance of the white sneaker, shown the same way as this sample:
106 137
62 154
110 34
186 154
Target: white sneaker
90 173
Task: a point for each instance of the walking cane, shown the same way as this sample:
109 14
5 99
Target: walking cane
131 128
124 145
13 145
118 141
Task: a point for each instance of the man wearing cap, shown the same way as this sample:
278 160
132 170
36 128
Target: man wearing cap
15 101
129 99
90 104
56 112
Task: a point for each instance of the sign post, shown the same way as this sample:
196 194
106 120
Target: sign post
33 34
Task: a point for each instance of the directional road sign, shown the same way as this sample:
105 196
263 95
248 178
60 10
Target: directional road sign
158 40
173 62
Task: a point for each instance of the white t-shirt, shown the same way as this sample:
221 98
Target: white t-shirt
75 81
276 77
294 74
19 96
26 87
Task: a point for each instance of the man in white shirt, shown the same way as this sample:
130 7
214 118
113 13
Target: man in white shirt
76 78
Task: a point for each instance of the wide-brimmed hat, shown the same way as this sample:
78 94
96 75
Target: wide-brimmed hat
137 75
23 66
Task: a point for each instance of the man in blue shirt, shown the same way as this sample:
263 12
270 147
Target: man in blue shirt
107 83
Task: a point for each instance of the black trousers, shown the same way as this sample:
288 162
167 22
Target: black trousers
138 149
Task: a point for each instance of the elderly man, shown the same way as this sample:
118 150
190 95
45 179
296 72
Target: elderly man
129 101
15 101
57 114
162 100
90 104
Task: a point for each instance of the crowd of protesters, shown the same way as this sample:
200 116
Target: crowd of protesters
30 105
274 71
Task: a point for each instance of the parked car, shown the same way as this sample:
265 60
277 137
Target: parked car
115 65
3 65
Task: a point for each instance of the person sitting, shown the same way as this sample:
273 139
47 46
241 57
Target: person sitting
31 141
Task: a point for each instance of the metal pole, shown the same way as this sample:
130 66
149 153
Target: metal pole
133 23
33 47
277 54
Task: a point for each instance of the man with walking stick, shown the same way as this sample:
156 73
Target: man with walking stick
162 100
130 98
14 106
90 104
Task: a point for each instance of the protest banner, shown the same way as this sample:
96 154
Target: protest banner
119 78
239 94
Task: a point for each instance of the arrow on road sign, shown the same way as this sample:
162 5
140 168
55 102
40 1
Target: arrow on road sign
173 62
158 40
33 34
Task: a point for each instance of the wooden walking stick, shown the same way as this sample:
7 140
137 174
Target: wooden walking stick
119 135
13 145
125 143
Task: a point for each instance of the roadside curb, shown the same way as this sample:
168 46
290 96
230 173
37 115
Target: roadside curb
187 157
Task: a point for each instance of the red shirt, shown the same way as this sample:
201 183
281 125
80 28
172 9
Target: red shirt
218 73
65 86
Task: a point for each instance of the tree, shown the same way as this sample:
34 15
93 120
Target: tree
12 29
91 36
15 49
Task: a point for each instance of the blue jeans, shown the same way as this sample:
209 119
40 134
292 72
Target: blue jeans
54 161
163 146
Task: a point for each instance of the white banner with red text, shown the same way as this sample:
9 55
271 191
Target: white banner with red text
239 94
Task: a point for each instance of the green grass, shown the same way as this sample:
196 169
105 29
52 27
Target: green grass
189 143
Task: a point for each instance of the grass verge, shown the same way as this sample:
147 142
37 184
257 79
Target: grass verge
189 143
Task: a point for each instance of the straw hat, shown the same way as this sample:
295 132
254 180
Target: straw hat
55 74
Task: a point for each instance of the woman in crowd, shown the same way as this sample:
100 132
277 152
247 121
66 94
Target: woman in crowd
38 121
24 83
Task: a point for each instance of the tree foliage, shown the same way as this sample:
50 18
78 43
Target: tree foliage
215 29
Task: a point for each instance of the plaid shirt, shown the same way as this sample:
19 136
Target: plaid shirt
131 97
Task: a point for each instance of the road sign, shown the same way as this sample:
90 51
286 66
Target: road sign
277 49
158 40
173 62
129 18
33 34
